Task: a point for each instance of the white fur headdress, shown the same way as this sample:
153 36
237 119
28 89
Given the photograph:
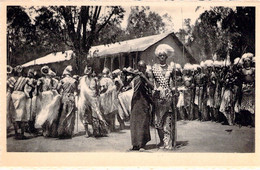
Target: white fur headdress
253 59
178 66
106 70
164 49
196 66
237 60
202 64
116 72
247 56
226 62
217 63
209 63
188 66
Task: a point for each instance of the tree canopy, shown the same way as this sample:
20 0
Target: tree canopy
143 22
58 28
74 27
219 31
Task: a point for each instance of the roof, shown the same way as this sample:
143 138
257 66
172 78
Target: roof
51 58
138 44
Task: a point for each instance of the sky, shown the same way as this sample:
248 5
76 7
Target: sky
178 14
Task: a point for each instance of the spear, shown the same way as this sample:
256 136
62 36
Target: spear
174 124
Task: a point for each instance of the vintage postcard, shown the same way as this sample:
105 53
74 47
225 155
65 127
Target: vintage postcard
144 83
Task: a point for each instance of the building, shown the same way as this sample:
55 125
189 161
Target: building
127 53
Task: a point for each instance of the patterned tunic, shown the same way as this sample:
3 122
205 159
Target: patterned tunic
188 96
227 103
67 119
46 83
199 81
163 100
89 107
163 95
9 104
20 100
248 91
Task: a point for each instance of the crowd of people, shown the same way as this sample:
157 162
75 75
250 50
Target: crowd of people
218 91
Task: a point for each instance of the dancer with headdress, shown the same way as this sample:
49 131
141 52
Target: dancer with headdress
199 80
20 98
108 98
89 105
210 89
227 104
163 97
179 83
248 86
217 66
68 89
188 85
48 103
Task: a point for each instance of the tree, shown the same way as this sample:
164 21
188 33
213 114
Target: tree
185 33
111 33
49 31
242 30
61 27
221 30
82 26
20 34
142 22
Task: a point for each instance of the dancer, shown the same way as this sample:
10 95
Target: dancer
162 74
140 109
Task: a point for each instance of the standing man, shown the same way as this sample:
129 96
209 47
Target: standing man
163 97
198 81
248 86
226 106
140 109
188 92
211 87
217 94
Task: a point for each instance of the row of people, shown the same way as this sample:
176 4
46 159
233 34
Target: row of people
41 102
49 102
214 90
217 90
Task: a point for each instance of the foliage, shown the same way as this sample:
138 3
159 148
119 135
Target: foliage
221 30
143 22
20 34
61 27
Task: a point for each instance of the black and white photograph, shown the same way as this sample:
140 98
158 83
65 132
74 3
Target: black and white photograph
131 79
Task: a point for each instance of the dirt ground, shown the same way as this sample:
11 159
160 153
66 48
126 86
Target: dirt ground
192 136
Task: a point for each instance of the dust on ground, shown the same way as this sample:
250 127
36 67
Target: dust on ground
192 136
